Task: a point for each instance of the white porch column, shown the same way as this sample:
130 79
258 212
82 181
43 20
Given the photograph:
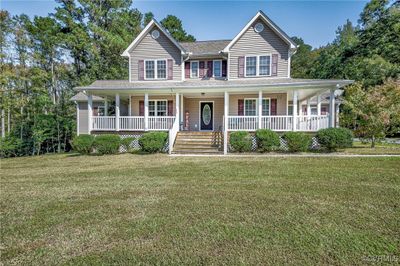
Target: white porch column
146 112
226 113
295 99
259 109
106 107
308 107
130 105
90 112
77 119
319 104
177 108
117 103
332 108
337 115
181 114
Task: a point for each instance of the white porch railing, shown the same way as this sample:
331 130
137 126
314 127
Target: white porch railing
133 123
172 135
247 123
278 123
161 122
103 122
312 123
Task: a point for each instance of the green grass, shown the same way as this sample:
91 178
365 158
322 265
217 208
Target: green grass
155 209
380 148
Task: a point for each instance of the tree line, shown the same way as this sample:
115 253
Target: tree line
43 58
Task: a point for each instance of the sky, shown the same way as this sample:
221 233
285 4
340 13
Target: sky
314 21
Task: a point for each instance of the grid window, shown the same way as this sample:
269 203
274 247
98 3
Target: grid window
194 69
264 65
161 69
251 66
250 107
150 69
217 68
266 107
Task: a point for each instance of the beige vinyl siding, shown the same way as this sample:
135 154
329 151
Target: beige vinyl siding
192 105
253 43
161 48
135 102
281 101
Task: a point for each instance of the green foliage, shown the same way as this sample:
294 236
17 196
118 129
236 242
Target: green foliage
107 144
240 141
297 141
126 143
175 28
267 140
334 138
10 146
372 114
153 142
83 144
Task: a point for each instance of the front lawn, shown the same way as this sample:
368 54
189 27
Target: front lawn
155 209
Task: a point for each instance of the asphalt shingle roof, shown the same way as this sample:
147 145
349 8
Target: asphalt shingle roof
205 47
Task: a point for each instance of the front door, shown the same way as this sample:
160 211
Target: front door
206 115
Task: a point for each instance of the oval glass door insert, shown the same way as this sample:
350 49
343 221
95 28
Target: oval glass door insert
206 114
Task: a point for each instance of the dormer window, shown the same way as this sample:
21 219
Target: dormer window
156 69
258 65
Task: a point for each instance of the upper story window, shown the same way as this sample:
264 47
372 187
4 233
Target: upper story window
158 108
156 69
194 69
251 107
258 65
217 68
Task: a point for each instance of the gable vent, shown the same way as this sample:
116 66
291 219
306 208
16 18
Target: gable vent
259 27
155 34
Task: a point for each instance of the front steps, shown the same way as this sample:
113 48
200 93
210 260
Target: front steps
197 142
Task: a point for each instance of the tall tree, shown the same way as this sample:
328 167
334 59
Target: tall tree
175 28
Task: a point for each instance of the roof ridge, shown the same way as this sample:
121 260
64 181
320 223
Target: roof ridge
219 40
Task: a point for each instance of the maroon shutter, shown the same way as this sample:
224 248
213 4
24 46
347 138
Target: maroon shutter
240 107
224 67
209 68
187 70
273 106
170 65
241 67
141 70
201 71
141 108
170 108
274 65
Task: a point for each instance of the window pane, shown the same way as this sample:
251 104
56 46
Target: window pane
264 66
290 109
314 111
152 109
217 68
150 69
250 107
251 63
161 108
161 69
194 69
265 107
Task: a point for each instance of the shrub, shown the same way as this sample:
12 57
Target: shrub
107 144
240 141
267 140
10 146
126 143
83 144
153 142
334 138
297 141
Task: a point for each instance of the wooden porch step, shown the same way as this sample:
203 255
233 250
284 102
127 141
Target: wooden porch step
211 151
193 147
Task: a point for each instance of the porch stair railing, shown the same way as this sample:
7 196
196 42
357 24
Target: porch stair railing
172 135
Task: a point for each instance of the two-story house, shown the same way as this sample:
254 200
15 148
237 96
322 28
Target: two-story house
208 86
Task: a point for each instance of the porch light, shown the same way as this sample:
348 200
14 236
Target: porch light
203 93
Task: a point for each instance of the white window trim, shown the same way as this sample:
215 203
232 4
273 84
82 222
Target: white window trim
256 99
156 106
155 69
219 69
198 68
258 65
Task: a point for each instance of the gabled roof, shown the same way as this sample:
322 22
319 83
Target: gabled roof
202 48
145 31
81 97
270 23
